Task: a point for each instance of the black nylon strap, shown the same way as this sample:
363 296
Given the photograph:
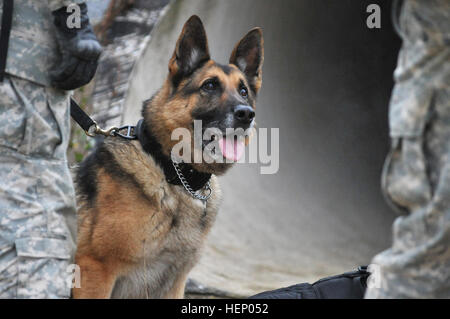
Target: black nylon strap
80 116
8 7
197 180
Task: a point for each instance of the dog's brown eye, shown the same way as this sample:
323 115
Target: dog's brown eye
243 92
210 85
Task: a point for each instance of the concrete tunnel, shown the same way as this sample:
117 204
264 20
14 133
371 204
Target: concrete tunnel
327 80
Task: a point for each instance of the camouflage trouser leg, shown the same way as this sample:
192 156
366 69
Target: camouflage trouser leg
36 192
416 178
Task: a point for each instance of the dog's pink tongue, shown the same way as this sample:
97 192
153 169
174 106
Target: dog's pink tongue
231 148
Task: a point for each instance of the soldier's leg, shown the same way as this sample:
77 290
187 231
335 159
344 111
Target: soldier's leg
36 192
416 178
418 263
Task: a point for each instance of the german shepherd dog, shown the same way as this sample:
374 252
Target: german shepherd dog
141 221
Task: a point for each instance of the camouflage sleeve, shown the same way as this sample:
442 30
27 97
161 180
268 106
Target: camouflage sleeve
56 4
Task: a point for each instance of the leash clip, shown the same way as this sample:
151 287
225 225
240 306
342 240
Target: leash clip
97 130
128 135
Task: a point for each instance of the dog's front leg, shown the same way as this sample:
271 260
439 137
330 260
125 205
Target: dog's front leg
177 290
97 279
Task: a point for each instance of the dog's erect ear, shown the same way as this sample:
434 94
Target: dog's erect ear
248 56
191 51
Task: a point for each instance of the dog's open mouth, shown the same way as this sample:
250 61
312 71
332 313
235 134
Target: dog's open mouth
232 147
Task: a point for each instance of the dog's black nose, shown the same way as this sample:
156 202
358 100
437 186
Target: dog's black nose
244 114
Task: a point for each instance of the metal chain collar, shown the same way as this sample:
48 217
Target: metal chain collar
189 189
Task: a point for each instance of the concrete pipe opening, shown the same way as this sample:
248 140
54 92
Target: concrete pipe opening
327 80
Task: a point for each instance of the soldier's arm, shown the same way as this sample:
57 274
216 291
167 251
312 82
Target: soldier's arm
78 45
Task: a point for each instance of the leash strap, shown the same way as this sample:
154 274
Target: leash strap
8 7
80 116
87 123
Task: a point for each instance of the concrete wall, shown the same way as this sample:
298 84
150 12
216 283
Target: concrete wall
326 86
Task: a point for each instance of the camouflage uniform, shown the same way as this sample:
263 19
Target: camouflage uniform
416 178
36 191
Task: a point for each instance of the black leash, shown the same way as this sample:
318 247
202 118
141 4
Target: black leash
91 127
8 7
80 116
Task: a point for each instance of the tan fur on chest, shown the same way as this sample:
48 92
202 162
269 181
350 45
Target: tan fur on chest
142 229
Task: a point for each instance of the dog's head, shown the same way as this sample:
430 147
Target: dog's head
222 97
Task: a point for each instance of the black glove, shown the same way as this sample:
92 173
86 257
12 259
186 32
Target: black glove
80 51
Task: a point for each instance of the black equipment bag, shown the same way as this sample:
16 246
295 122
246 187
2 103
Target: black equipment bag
350 285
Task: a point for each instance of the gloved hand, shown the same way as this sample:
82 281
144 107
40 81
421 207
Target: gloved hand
80 51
